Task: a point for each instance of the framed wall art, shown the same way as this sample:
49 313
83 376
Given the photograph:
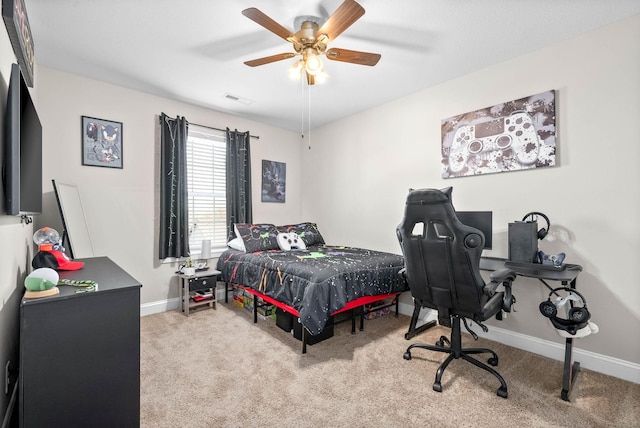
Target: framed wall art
511 136
101 142
14 14
274 181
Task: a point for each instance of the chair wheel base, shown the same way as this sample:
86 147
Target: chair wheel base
502 392
437 387
493 361
407 355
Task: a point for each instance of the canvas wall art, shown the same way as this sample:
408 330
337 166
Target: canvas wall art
274 181
511 136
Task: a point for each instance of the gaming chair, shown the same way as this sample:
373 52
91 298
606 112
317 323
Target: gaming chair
442 258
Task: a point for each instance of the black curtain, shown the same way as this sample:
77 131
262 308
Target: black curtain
239 207
174 218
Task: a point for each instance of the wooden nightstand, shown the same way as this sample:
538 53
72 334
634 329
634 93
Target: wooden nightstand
198 290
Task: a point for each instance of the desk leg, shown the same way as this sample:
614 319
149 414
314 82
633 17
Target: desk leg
571 368
570 371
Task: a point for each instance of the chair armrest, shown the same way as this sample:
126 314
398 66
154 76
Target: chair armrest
504 277
402 273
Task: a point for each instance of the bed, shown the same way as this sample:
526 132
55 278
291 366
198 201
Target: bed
312 281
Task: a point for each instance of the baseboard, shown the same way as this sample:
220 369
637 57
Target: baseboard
589 360
555 350
159 306
171 304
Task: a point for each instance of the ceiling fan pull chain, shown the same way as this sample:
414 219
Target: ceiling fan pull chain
309 116
301 109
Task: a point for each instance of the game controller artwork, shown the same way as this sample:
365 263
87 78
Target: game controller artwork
515 135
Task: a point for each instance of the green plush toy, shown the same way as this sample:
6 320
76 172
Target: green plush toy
41 279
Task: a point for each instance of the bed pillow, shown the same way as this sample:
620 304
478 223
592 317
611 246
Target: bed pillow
237 244
258 237
307 231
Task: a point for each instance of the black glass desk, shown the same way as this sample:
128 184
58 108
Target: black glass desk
567 277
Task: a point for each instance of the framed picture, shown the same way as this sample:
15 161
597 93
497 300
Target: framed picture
274 181
101 142
15 18
511 136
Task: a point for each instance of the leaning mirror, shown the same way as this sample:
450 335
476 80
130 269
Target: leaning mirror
74 222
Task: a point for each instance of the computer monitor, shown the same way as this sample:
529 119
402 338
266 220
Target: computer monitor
481 220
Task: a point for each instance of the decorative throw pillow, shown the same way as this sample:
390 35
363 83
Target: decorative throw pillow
289 241
258 237
307 231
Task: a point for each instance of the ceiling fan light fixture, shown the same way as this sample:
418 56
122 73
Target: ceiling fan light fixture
313 63
321 77
295 71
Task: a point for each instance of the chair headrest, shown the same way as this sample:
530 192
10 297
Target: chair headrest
427 196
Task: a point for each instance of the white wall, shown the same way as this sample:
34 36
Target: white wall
591 197
15 245
120 204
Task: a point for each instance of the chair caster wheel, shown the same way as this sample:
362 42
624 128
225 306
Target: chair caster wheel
437 387
444 341
493 361
502 392
407 355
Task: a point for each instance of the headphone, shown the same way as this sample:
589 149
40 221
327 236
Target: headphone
578 317
544 231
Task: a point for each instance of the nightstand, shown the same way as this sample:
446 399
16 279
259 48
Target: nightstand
198 290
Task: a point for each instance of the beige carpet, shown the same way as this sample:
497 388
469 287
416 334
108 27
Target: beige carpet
218 369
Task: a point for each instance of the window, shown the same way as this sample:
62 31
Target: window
206 188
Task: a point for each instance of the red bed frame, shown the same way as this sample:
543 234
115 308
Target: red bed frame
361 302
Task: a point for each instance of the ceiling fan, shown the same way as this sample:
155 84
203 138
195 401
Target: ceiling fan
311 41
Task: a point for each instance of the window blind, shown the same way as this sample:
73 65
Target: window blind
206 186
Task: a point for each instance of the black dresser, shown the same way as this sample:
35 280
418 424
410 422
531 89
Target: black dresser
80 352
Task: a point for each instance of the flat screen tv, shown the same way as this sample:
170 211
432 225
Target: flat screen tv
481 220
22 168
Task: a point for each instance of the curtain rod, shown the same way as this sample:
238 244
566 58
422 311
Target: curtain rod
257 137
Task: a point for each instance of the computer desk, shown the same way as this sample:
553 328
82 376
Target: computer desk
567 277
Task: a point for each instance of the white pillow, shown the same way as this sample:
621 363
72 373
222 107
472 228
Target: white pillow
237 244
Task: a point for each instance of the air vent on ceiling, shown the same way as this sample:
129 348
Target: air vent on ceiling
238 99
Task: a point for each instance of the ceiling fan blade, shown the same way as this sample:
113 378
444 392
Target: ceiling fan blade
345 15
355 57
269 59
259 17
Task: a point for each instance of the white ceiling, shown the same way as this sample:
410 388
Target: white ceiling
193 50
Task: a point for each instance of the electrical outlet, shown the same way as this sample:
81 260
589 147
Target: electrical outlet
6 378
